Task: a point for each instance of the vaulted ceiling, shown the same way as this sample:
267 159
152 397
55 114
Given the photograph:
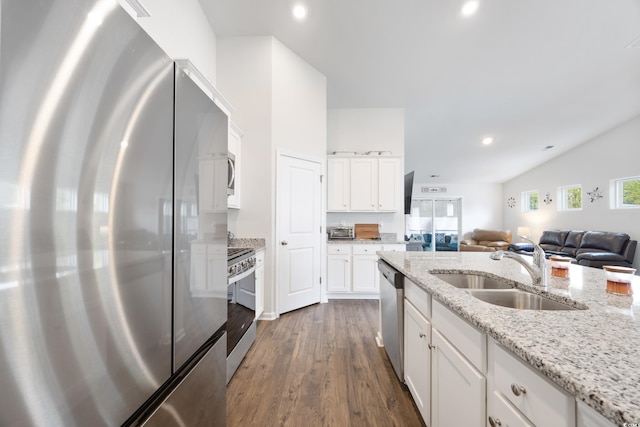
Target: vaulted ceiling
530 74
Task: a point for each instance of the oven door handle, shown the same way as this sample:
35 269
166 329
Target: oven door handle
241 275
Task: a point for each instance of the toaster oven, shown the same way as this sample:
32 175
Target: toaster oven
342 232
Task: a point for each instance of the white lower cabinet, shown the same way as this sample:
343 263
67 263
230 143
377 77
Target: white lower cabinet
457 387
338 268
352 270
259 282
417 358
458 376
527 392
365 268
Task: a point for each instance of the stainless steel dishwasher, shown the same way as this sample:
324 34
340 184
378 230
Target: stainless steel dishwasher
392 315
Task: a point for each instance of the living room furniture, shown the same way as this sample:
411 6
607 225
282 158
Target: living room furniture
487 241
589 248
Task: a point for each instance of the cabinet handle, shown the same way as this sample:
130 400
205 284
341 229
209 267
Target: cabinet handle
494 422
518 389
422 335
431 346
284 243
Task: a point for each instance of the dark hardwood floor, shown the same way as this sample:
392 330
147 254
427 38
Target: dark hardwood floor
319 366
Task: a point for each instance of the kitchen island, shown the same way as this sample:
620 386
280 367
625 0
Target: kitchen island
590 352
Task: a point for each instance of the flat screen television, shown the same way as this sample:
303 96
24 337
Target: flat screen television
408 191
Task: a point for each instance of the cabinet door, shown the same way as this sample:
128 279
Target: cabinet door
338 185
365 273
389 185
339 273
417 359
455 382
364 184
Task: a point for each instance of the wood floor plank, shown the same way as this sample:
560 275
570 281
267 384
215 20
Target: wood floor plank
319 366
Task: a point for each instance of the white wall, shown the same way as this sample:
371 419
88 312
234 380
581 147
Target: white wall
615 154
280 104
362 130
182 31
481 204
299 104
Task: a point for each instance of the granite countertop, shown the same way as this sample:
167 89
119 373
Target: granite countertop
247 242
592 353
385 239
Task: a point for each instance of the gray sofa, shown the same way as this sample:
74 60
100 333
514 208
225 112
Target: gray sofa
589 248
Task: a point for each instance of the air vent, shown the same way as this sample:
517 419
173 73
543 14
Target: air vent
634 44
433 189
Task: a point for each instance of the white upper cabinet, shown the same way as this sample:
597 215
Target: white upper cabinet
338 172
363 184
390 190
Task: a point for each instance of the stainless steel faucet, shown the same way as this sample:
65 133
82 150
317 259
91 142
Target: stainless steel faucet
537 270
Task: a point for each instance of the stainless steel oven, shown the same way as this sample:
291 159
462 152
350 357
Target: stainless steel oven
241 306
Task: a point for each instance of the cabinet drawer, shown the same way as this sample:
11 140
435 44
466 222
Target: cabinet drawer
542 402
394 248
467 339
418 297
505 415
366 249
338 249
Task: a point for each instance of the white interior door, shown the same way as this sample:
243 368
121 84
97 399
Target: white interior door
299 217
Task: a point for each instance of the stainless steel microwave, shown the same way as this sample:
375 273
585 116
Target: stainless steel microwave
231 175
342 232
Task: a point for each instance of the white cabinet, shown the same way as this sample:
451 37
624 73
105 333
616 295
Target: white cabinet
417 358
525 391
364 184
365 268
338 182
339 268
235 167
455 382
259 282
457 367
352 270
390 189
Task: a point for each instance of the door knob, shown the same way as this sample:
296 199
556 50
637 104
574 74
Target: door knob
284 243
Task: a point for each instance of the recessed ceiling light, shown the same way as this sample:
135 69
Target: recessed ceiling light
487 141
470 8
300 12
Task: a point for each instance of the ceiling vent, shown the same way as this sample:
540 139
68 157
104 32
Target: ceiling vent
635 43
433 189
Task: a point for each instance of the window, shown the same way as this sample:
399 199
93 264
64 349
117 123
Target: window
625 193
530 201
570 198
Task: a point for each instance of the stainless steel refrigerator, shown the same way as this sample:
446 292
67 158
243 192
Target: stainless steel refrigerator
103 316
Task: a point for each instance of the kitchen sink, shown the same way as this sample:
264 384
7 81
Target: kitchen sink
514 298
472 281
